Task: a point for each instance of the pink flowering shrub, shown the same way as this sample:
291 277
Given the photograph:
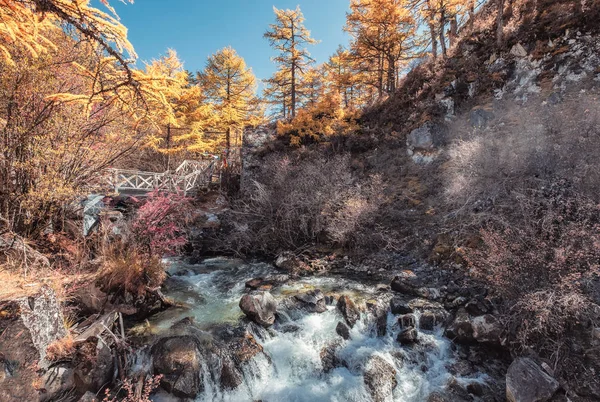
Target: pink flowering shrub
159 225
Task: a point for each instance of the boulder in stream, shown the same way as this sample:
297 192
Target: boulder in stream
526 381
329 359
312 301
400 306
349 310
408 336
178 360
343 330
380 378
260 307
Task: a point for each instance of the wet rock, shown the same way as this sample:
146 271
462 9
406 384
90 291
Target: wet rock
461 368
380 379
312 301
289 328
378 311
487 329
244 348
403 284
430 319
400 306
381 324
349 310
437 397
259 284
407 321
458 391
461 330
260 307
94 365
329 359
180 289
343 330
331 300
476 388
408 336
178 360
231 377
527 382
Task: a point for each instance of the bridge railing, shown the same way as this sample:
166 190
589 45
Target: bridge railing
188 176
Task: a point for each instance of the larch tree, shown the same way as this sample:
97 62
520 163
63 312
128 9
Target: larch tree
289 37
230 86
345 78
183 125
383 35
276 94
311 86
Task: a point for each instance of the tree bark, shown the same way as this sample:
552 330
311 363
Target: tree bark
442 27
500 23
453 31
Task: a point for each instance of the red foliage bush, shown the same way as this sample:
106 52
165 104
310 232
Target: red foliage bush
158 226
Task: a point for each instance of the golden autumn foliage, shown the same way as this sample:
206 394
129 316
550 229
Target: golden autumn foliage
383 38
181 126
229 87
26 23
319 123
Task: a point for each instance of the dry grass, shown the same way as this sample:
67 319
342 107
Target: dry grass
127 270
61 349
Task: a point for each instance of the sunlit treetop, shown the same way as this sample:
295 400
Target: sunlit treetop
25 21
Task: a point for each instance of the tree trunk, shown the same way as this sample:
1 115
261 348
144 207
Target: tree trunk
391 75
380 78
471 15
453 31
500 23
442 35
293 90
228 141
168 146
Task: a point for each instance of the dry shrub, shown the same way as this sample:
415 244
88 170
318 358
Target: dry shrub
128 270
304 201
525 148
541 265
135 392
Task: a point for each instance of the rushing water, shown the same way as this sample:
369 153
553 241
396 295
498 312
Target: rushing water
292 368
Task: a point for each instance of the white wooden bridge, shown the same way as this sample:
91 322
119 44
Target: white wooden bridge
188 177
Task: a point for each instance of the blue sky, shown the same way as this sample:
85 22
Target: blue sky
198 28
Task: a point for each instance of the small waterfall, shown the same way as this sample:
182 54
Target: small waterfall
291 369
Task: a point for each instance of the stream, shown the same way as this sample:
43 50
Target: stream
291 368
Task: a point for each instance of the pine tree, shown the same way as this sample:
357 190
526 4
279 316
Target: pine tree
289 37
